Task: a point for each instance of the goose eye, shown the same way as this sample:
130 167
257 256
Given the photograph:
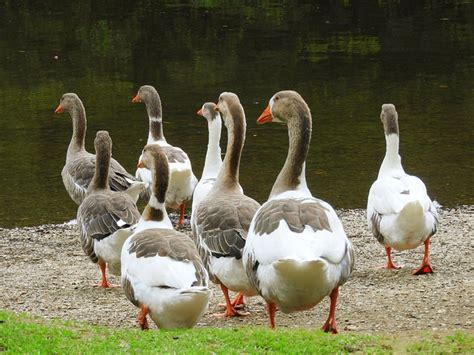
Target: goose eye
277 98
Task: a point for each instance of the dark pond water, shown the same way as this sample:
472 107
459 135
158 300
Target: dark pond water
345 58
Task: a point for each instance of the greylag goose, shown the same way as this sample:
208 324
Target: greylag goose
297 252
182 180
79 168
104 217
400 213
162 272
222 219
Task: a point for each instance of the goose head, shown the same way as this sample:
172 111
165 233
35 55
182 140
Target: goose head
103 142
150 97
281 107
146 94
230 107
68 103
209 111
389 118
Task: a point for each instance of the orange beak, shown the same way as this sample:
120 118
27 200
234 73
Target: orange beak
265 117
136 99
199 112
140 164
59 109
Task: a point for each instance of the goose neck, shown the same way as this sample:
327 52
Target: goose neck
292 175
228 177
79 126
156 210
155 129
213 155
392 160
100 179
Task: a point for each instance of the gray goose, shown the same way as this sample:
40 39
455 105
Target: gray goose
224 216
182 180
297 252
400 213
162 272
79 168
104 217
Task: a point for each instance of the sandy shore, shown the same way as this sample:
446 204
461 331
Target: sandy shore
45 273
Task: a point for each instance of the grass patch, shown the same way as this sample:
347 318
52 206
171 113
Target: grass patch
26 334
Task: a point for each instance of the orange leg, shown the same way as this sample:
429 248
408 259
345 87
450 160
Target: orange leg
182 207
425 267
104 282
330 325
142 321
239 301
271 309
229 310
390 264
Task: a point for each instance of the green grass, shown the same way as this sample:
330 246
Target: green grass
27 334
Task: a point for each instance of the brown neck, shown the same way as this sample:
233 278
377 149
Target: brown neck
153 107
101 173
155 210
79 126
299 132
229 173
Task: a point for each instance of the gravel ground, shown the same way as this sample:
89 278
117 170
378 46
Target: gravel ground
45 273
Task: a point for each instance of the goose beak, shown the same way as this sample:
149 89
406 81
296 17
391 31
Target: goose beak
265 117
136 99
199 112
59 109
140 164
216 108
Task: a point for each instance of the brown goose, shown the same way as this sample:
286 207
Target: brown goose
79 168
162 272
224 216
104 216
297 252
182 180
400 213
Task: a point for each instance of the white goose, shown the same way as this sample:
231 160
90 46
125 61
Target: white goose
104 216
182 180
297 252
162 272
213 161
222 219
400 213
80 165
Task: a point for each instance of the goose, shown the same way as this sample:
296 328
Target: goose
213 161
222 219
182 180
79 169
104 217
297 252
400 213
162 272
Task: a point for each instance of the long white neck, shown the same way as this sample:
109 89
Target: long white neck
213 156
392 163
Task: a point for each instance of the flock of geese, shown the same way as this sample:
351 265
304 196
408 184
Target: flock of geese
291 250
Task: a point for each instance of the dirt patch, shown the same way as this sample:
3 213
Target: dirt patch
45 273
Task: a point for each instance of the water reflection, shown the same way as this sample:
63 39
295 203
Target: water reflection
345 58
